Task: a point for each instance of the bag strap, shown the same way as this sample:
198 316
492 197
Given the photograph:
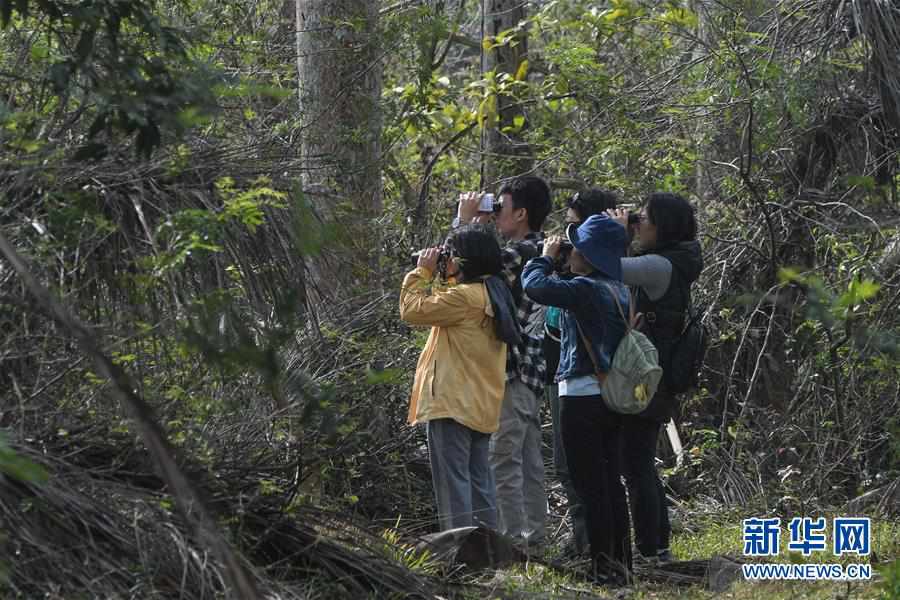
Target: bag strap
629 324
688 314
601 376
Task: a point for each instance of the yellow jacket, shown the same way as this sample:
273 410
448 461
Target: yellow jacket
461 372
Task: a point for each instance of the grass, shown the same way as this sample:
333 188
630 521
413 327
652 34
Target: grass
716 535
710 534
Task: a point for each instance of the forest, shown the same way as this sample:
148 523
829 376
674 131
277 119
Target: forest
207 209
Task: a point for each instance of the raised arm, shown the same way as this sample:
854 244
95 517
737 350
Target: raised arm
438 309
651 272
547 290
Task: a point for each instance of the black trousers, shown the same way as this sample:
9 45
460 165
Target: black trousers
645 491
591 436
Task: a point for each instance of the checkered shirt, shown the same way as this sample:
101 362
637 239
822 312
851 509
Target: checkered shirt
525 361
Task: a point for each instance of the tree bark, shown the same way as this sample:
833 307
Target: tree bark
505 153
339 71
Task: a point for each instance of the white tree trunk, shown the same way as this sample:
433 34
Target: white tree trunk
339 71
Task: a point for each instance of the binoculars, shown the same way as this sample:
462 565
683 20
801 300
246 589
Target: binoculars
489 204
443 257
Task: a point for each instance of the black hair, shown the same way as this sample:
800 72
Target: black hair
673 216
478 250
531 193
592 201
480 259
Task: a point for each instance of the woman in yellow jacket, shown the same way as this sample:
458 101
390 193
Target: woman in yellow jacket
460 377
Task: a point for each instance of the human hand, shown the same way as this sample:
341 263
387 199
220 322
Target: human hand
468 206
551 246
619 215
428 258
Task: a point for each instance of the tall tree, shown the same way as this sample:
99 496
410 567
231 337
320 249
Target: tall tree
340 78
506 53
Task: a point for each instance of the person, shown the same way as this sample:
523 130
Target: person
580 206
669 261
516 456
591 432
459 381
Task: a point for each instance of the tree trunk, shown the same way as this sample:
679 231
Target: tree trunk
340 77
505 152
702 190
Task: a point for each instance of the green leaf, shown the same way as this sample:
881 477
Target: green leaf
680 16
860 181
519 121
857 292
386 376
39 51
617 13
18 467
790 275
522 71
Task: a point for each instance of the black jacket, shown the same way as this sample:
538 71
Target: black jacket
664 318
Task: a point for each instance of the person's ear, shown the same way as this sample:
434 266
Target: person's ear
521 214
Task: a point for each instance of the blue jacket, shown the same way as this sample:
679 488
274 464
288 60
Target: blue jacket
587 299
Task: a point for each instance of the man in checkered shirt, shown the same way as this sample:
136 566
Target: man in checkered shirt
516 457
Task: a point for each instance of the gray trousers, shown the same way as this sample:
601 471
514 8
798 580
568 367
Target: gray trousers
576 511
461 475
518 465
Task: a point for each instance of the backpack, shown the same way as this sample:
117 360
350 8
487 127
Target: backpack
681 355
634 374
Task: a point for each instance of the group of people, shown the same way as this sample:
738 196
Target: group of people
510 327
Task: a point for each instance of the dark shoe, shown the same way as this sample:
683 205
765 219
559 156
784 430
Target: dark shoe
611 575
612 580
664 556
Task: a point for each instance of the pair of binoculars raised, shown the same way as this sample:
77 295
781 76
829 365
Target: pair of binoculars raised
489 204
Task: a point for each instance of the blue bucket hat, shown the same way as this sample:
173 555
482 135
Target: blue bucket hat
602 242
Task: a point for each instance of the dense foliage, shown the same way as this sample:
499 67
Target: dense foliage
154 176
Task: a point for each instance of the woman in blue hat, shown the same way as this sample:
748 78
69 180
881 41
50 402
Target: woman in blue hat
581 205
590 430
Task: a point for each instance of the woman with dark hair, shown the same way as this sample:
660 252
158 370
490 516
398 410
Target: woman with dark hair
593 304
582 204
461 373
669 261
